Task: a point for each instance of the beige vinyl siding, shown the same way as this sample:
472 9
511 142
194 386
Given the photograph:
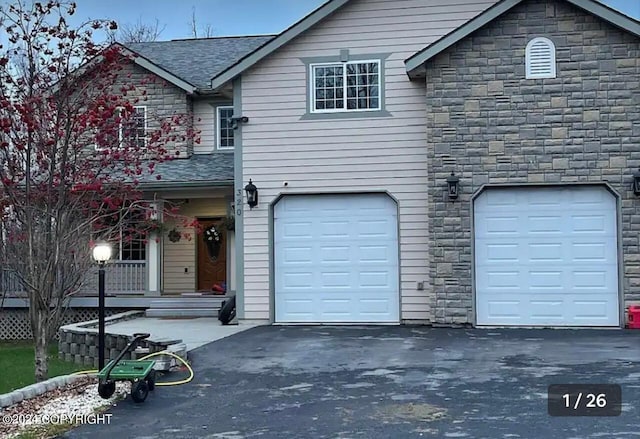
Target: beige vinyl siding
180 255
204 122
346 155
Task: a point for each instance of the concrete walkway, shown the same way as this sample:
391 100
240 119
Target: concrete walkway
193 332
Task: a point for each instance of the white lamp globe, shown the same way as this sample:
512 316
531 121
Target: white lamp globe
102 252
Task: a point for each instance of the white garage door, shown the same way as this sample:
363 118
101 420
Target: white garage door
336 259
546 257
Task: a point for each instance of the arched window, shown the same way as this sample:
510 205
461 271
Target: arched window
540 58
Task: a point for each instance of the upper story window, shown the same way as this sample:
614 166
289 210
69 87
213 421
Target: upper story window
225 128
131 131
343 87
540 59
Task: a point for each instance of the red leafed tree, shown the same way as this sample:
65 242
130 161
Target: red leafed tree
72 153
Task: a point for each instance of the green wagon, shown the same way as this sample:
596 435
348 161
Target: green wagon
140 373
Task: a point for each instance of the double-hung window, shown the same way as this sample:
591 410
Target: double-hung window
225 128
345 86
133 129
132 241
130 131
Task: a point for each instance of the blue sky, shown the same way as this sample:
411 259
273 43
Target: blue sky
236 17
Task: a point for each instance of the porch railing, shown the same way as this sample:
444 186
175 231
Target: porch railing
121 277
9 283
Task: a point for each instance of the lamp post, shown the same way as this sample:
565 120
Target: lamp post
101 254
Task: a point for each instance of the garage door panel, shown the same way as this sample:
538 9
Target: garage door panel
546 280
570 310
335 280
592 224
297 230
297 280
544 252
501 226
297 255
543 224
556 265
333 229
566 251
334 253
350 253
499 280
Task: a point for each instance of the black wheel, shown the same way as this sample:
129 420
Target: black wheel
139 391
106 389
227 311
151 380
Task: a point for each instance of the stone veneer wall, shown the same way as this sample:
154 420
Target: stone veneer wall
490 125
79 343
162 99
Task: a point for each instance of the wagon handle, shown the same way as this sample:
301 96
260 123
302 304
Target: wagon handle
137 336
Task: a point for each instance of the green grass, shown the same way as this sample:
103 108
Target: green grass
17 365
44 431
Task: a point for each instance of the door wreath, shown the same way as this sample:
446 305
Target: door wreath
212 239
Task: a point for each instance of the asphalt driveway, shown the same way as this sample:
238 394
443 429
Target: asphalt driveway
387 382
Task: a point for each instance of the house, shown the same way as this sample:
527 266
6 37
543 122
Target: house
423 162
199 182
415 162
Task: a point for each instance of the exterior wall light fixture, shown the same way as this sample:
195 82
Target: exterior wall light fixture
636 182
453 185
252 194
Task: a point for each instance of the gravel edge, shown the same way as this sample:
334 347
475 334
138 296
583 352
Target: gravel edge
37 389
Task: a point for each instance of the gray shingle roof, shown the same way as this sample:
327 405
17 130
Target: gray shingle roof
198 60
214 168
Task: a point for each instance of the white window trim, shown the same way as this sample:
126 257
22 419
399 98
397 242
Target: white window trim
312 87
146 123
552 47
219 129
120 128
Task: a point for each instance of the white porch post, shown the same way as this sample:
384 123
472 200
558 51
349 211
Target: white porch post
154 255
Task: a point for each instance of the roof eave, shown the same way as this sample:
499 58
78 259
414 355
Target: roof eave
271 46
415 65
181 185
610 15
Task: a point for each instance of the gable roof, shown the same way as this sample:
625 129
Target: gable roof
415 64
283 38
195 61
155 69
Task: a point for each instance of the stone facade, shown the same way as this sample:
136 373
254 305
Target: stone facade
490 125
79 343
162 99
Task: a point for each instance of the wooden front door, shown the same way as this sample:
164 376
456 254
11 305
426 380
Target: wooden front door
211 271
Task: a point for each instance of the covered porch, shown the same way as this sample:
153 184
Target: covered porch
172 262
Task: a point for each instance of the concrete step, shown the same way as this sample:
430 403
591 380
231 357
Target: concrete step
182 312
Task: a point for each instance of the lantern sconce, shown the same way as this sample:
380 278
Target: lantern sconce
453 184
636 182
252 194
